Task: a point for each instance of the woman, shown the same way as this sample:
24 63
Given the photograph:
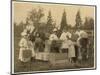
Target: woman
23 44
71 50
46 50
39 47
39 44
82 44
31 47
64 39
53 39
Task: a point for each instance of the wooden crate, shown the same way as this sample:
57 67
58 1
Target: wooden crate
58 58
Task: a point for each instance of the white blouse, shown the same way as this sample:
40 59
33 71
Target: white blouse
64 35
23 43
53 37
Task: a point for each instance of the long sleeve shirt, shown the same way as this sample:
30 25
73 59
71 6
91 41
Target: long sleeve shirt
23 43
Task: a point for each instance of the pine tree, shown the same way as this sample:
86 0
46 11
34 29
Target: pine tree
78 20
63 22
89 23
49 25
86 23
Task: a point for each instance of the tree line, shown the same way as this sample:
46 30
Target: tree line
36 15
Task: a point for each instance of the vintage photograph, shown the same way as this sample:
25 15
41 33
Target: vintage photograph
52 37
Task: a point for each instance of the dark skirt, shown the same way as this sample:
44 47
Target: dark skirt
55 46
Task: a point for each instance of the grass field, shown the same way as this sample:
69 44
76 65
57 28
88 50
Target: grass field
36 65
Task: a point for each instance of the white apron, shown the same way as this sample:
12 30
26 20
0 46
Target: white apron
71 49
64 44
25 45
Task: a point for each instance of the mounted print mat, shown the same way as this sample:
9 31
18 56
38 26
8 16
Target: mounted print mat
49 37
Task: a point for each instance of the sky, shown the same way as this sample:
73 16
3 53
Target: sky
20 11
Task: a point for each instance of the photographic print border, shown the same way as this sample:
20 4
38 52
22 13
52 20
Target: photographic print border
62 70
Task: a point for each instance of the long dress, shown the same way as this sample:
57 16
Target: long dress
53 39
46 50
26 50
82 48
23 46
71 49
39 48
31 47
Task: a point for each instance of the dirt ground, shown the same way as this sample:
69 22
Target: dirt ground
37 65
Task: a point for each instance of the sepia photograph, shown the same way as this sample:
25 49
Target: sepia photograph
49 37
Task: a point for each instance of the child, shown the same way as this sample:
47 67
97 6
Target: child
23 44
71 50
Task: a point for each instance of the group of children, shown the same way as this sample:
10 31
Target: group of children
67 44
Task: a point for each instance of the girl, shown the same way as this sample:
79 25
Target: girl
71 50
23 44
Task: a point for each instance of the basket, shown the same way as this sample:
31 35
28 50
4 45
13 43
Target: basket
27 53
